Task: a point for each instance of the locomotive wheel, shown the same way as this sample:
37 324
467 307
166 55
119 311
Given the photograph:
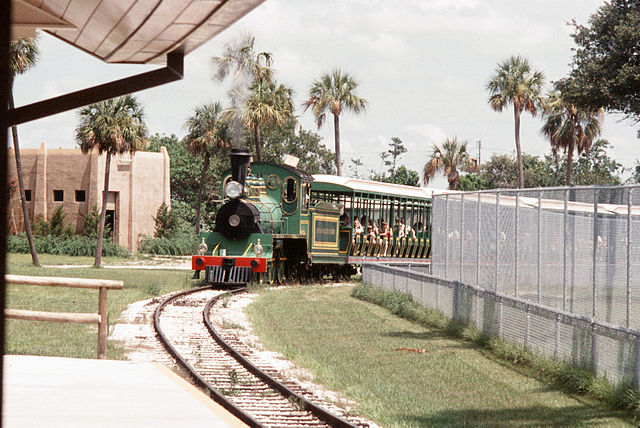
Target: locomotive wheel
280 277
270 276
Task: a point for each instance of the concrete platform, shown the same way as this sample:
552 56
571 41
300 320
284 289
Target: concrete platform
68 392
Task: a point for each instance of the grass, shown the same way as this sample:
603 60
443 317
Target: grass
77 340
368 353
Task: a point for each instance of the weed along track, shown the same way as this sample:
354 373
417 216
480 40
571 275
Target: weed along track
220 363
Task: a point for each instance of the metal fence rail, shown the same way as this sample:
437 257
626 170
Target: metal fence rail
611 350
576 249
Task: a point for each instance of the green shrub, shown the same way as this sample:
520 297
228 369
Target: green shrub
76 245
175 246
92 221
56 226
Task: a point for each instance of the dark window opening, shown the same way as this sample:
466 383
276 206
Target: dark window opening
80 196
110 221
58 195
27 195
290 190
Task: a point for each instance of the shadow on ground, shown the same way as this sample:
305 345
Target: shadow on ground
524 416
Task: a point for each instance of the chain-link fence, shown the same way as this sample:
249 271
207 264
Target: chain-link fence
575 249
612 351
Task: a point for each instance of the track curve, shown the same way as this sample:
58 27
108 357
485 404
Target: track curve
248 392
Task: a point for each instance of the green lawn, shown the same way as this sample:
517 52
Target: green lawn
76 340
350 346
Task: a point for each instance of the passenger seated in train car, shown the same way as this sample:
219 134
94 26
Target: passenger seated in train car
385 234
357 227
371 236
345 220
399 228
374 227
408 231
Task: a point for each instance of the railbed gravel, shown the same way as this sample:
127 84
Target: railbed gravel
136 333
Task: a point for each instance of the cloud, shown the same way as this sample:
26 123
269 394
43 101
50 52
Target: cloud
433 133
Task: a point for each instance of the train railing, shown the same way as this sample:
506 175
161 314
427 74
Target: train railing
102 285
611 351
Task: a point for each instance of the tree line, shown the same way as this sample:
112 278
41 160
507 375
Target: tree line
260 116
604 76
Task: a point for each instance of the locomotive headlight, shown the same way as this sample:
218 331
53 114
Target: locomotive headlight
257 249
233 189
234 220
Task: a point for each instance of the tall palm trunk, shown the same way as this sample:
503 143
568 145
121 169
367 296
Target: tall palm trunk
569 163
256 135
516 114
205 167
103 212
25 213
336 137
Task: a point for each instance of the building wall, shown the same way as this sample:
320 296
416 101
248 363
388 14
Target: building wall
138 185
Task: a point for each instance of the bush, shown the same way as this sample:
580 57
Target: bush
176 246
91 223
62 245
56 226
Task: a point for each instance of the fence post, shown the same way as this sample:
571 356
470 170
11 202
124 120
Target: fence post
565 232
527 325
478 241
636 371
629 206
495 267
556 350
103 324
461 234
595 254
499 316
446 235
515 258
539 273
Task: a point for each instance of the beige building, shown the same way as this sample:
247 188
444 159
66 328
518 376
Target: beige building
138 185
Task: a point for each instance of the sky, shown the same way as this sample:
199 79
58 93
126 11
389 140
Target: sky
422 66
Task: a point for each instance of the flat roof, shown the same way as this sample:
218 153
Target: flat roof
359 185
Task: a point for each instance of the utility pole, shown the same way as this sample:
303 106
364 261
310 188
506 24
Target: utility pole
479 149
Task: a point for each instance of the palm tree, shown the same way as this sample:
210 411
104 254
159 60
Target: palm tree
23 54
569 127
207 132
333 92
515 83
449 158
268 104
113 127
247 67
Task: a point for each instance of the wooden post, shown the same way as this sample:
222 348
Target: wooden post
103 324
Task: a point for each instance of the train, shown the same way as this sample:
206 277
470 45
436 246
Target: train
277 223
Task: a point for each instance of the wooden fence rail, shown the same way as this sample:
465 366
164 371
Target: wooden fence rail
102 285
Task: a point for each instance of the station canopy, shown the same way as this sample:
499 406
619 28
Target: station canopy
129 31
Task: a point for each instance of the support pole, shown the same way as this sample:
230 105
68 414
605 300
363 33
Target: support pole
629 207
104 323
594 259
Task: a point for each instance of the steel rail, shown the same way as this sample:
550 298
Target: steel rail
317 411
213 392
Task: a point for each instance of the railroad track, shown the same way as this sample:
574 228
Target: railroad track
222 365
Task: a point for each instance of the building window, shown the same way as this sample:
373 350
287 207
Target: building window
27 195
80 196
58 195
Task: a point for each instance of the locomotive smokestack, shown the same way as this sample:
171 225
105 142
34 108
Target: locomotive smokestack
240 160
